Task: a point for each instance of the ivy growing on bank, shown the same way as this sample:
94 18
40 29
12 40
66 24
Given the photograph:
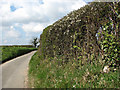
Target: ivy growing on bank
110 46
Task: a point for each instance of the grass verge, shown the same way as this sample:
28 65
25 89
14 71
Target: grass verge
54 73
12 52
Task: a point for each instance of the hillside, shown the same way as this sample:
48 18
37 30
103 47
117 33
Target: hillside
75 49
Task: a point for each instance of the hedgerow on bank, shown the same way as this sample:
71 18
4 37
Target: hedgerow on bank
81 50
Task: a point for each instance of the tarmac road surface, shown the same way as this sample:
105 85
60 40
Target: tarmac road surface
13 71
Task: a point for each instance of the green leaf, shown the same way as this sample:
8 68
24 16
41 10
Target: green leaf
76 47
111 47
79 57
111 23
105 41
113 42
102 46
115 50
106 45
106 27
118 16
105 49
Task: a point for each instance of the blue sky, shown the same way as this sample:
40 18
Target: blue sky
24 19
12 8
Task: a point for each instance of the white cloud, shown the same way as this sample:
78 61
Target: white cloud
33 27
32 16
5 41
78 4
33 11
12 33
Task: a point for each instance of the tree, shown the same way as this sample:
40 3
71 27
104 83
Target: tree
34 41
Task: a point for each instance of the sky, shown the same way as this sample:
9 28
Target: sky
21 20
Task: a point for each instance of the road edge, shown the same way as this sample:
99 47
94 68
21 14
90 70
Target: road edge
26 78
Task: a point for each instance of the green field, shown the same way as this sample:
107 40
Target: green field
10 52
54 73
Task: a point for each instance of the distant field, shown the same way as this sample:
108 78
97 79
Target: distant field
16 46
10 52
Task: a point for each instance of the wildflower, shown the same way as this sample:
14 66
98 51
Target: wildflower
74 86
115 69
106 69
